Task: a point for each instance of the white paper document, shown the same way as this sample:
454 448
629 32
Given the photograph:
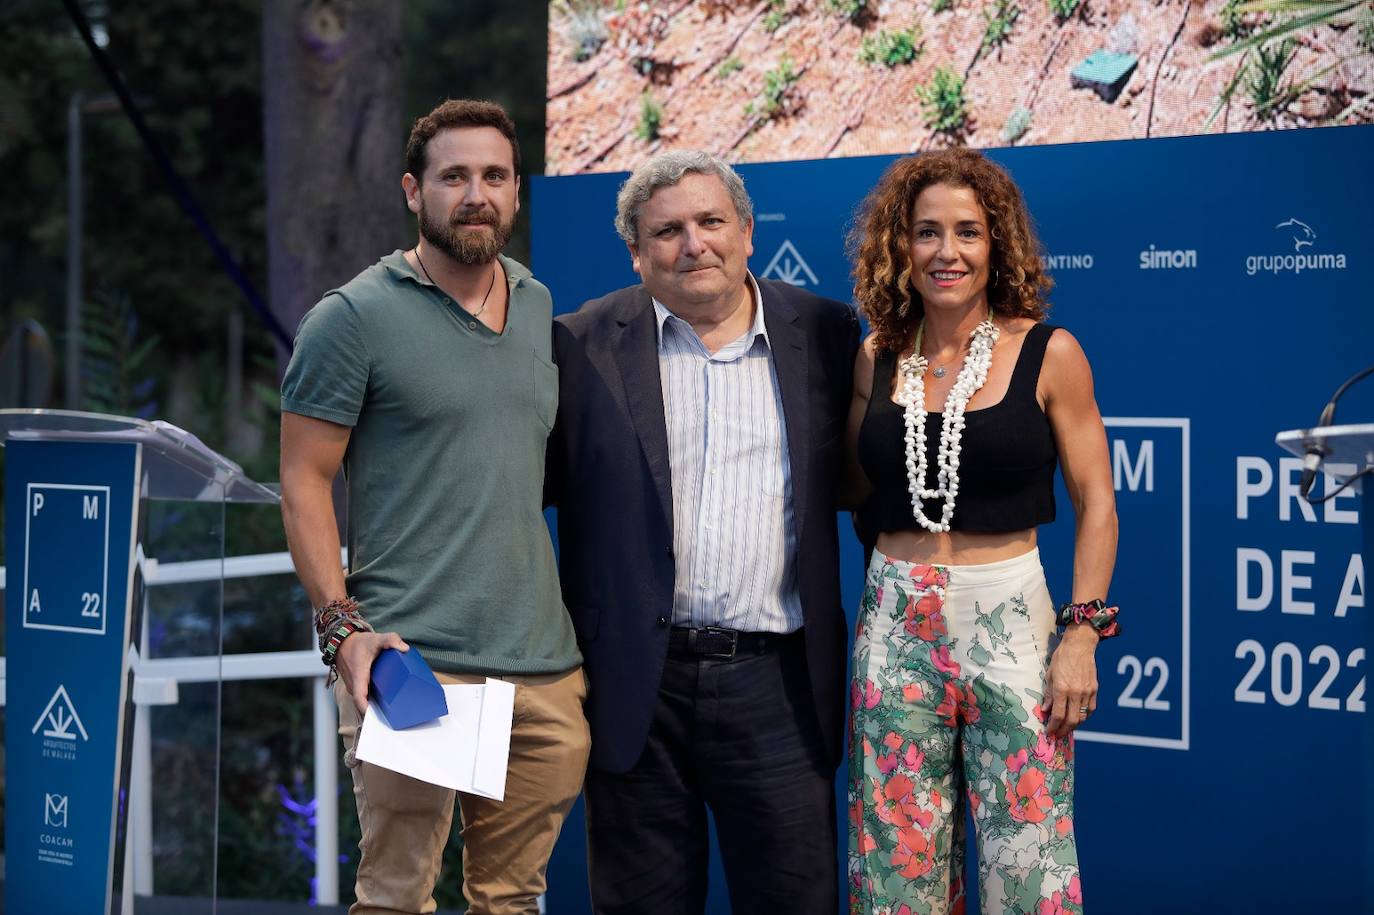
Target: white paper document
466 750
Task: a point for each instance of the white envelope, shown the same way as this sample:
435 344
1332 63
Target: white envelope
466 750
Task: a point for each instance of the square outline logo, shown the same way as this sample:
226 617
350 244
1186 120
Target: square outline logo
1183 424
105 559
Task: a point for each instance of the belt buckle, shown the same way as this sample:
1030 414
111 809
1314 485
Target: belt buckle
732 634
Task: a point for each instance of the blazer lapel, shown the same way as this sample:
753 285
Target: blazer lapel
636 355
791 363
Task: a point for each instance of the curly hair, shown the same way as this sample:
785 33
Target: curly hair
880 243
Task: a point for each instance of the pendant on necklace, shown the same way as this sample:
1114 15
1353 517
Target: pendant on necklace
939 372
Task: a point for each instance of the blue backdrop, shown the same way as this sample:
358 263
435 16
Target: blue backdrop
1218 286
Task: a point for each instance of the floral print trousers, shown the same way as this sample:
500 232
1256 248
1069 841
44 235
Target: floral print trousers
949 672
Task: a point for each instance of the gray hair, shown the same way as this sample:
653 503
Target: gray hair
665 170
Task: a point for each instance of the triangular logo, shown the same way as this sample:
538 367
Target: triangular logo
787 265
59 715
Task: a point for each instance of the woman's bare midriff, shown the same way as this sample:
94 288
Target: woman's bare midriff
956 548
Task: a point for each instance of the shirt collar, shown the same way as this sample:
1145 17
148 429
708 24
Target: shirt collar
757 329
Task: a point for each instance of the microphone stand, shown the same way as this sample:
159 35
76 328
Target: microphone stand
1316 451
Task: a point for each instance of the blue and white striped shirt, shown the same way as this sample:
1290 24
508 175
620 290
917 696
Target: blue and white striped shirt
734 534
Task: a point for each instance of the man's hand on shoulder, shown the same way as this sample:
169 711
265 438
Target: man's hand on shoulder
354 661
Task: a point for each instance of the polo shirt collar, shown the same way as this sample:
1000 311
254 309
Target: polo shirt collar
399 267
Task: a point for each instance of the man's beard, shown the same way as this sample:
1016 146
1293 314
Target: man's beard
464 245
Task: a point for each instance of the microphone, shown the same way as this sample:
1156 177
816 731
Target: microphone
1310 463
1315 449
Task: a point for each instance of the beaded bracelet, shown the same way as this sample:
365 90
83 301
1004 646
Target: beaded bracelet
329 654
328 617
1095 613
334 622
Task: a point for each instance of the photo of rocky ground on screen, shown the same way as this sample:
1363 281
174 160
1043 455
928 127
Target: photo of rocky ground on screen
773 80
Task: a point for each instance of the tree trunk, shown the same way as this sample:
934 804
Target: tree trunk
332 102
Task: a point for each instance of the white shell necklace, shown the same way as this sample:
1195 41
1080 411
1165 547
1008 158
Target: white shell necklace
912 396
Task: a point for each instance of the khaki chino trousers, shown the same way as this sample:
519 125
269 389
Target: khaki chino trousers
506 844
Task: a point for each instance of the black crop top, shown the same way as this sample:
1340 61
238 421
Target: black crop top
1006 464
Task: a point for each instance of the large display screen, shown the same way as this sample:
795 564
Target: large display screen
775 80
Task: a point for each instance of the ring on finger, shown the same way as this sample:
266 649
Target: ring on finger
1083 710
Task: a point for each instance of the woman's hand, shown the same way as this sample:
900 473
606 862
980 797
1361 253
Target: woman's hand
1071 685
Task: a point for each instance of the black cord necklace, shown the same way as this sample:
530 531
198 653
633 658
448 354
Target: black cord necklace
490 286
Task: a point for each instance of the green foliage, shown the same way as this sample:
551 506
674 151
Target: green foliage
1262 32
853 10
1265 83
44 65
1063 9
999 17
200 95
583 23
942 101
115 364
776 85
729 66
1295 17
940 6
892 48
183 789
1233 23
479 49
650 118
776 16
1018 122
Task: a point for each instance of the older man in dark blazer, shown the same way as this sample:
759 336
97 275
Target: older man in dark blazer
696 462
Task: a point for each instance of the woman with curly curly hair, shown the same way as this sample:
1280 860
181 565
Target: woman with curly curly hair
965 696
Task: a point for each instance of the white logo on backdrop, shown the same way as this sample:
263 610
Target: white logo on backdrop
1304 236
789 266
55 810
60 714
1302 233
1053 262
1163 259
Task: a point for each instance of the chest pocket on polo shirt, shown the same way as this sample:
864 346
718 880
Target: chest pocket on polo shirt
545 389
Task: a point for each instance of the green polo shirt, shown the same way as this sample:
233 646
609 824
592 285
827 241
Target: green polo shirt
445 465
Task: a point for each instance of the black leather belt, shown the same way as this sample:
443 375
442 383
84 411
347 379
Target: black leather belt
723 644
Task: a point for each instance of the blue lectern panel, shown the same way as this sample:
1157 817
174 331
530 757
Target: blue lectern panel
70 510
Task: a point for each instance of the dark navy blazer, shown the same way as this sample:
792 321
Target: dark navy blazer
609 474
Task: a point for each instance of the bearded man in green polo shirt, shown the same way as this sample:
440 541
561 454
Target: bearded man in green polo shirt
429 379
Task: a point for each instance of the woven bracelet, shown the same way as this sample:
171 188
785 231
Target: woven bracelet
328 617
